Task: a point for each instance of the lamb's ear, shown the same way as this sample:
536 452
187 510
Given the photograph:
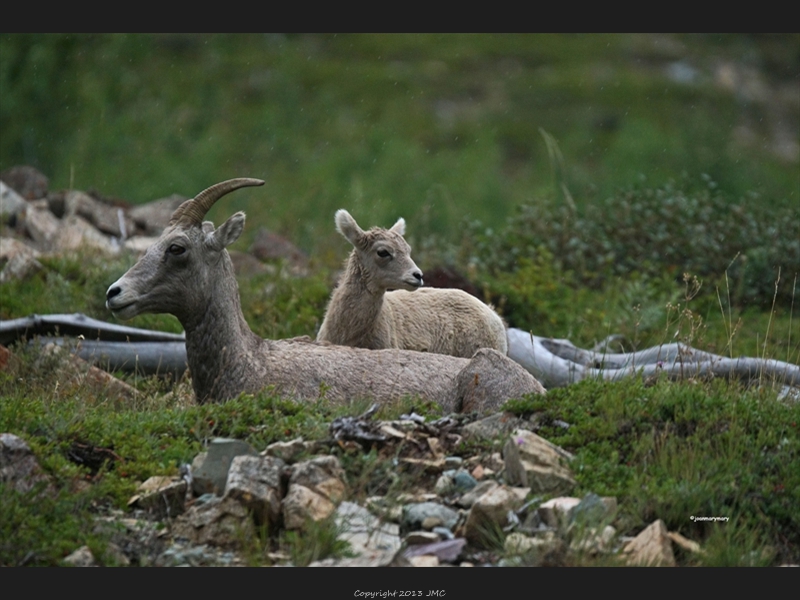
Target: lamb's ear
228 232
399 227
347 226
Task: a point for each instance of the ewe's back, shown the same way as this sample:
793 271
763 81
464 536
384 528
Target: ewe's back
444 321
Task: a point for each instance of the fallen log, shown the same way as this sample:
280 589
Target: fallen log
143 358
554 362
76 325
558 363
106 345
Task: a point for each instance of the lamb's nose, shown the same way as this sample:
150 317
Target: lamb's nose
418 276
113 291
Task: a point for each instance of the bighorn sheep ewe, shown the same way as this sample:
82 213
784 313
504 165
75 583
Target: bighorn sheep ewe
187 272
363 312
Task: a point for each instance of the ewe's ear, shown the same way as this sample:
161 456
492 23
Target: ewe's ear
347 226
399 227
228 232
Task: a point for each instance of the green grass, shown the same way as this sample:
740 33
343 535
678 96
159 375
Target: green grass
581 189
388 125
668 450
673 451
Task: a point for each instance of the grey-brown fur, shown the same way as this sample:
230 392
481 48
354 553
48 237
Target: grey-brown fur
379 302
188 273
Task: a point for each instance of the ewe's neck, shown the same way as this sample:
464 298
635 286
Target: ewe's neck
219 342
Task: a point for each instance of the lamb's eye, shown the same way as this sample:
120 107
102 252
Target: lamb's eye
384 253
176 250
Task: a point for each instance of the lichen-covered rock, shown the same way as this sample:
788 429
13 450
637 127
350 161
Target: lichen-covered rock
652 547
302 504
531 461
210 468
218 522
256 482
19 468
161 495
489 513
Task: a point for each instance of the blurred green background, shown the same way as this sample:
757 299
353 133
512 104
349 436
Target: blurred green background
528 161
430 127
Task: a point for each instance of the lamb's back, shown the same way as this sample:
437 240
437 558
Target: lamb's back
444 321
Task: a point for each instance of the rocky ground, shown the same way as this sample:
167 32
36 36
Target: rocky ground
482 510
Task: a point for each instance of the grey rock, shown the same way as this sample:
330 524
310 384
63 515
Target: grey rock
375 558
454 481
152 218
20 267
42 226
110 220
220 522
489 514
557 512
493 426
464 481
162 496
76 232
364 531
445 484
20 260
416 516
489 378
531 461
593 510
592 540
117 556
247 265
315 487
19 468
468 499
443 533
268 245
186 555
453 462
210 468
139 244
287 451
422 537
322 474
652 547
11 203
256 482
446 551
26 181
535 548
302 504
82 557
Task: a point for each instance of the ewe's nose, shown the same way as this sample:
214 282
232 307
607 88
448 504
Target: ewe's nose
418 276
114 290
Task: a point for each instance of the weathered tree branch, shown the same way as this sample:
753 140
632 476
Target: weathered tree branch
557 363
106 345
554 362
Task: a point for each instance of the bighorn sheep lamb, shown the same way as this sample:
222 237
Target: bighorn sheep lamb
187 272
363 312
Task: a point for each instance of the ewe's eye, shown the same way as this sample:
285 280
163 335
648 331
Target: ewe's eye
176 250
383 253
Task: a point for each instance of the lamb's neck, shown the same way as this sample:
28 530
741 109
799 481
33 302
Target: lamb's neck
360 306
219 346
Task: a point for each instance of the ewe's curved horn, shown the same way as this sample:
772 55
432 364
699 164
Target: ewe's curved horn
193 211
